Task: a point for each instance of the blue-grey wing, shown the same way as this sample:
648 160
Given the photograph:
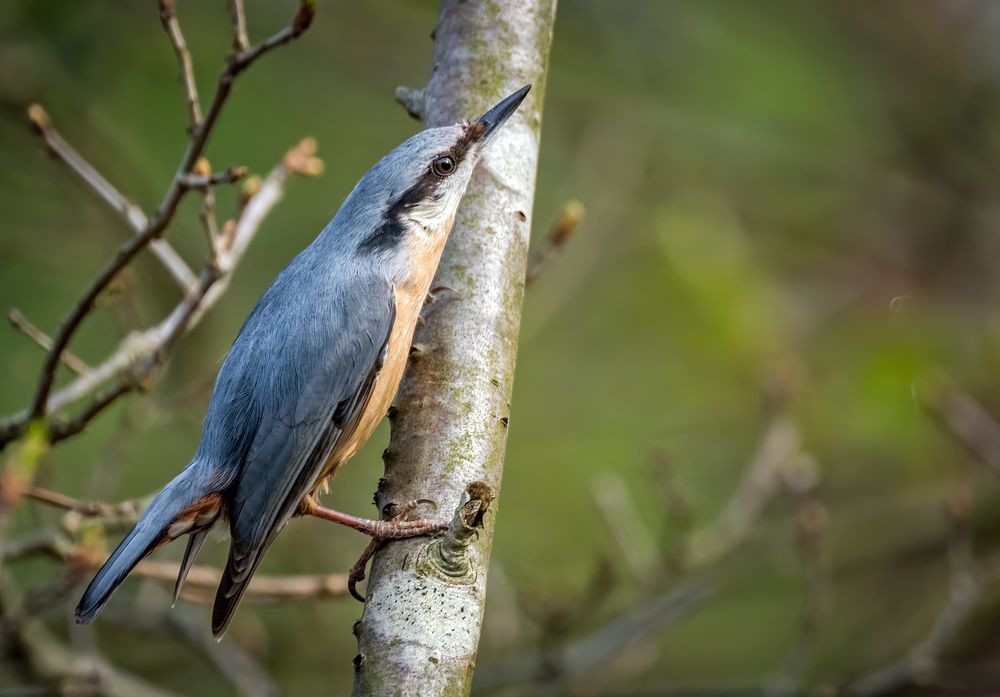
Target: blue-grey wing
307 366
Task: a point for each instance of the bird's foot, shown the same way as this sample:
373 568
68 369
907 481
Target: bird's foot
395 528
436 292
398 522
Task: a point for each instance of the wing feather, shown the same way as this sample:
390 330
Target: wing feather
320 384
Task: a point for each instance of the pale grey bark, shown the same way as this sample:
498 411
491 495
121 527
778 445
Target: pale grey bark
420 628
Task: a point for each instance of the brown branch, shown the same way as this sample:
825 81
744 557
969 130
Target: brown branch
202 581
233 663
158 223
228 176
562 231
55 665
967 581
958 413
50 542
141 352
585 657
133 216
206 214
240 39
812 521
761 481
173 29
21 323
126 510
631 536
303 18
61 429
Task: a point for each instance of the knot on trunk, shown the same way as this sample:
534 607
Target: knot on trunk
447 558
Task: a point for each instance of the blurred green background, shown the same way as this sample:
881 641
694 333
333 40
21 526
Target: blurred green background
793 208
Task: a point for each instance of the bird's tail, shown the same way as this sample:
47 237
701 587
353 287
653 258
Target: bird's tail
154 528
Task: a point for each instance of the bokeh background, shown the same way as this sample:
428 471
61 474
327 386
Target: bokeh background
793 228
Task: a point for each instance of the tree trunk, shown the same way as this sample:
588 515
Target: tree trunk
420 628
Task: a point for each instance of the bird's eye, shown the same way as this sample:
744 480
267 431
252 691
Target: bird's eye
443 166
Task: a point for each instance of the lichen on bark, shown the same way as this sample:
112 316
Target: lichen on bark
420 630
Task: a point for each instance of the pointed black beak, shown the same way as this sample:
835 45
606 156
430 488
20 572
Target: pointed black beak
495 117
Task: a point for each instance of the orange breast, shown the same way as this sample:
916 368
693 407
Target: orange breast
424 255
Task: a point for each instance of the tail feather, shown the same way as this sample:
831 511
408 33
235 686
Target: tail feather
151 531
236 578
195 541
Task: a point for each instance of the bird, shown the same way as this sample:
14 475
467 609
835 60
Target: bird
314 368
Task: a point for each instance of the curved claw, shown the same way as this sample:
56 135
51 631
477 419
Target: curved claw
357 572
352 587
410 506
426 502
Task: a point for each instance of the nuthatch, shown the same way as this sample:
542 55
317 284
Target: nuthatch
314 368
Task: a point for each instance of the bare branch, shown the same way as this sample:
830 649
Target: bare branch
173 29
590 654
563 229
50 542
24 325
240 40
158 223
966 585
142 351
303 18
202 583
232 662
761 481
130 212
965 419
228 176
633 539
61 429
126 510
811 523
54 664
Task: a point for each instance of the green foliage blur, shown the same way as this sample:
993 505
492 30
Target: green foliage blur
791 206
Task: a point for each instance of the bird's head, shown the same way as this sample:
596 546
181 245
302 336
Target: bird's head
416 188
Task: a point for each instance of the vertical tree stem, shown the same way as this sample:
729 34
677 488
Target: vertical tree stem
420 628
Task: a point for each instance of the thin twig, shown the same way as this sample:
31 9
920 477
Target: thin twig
62 429
24 325
232 662
239 19
142 351
173 29
303 18
129 212
965 419
761 481
583 657
966 584
47 542
206 214
811 522
158 223
55 665
228 176
129 509
562 230
630 534
202 581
